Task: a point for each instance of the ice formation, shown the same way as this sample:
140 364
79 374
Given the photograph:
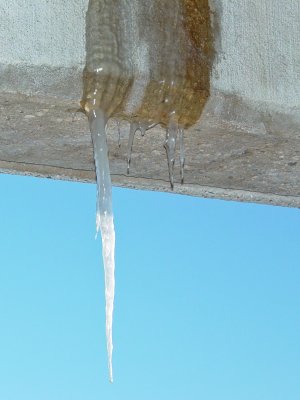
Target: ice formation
147 62
105 220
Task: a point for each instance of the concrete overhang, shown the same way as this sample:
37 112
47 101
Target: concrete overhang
245 147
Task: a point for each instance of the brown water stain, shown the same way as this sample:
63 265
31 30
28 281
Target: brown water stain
179 35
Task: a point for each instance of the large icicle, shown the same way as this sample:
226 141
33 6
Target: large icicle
105 220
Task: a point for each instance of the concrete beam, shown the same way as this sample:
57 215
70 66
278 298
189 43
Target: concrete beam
245 147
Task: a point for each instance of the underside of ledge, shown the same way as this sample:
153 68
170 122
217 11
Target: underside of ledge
253 161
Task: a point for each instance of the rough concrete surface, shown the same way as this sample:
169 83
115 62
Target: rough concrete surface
223 160
258 49
246 146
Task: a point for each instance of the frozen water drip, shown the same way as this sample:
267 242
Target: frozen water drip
148 62
105 220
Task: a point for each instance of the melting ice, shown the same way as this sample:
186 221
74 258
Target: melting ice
105 220
104 213
138 72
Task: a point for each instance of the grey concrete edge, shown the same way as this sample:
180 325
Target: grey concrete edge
131 182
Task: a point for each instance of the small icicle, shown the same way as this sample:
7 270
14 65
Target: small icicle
170 146
182 153
119 133
105 220
142 128
134 126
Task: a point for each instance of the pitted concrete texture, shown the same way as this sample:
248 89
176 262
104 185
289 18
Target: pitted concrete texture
259 57
42 32
223 160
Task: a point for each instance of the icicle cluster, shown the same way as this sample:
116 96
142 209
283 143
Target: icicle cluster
172 133
147 62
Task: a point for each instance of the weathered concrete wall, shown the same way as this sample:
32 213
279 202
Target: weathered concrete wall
258 59
245 147
41 32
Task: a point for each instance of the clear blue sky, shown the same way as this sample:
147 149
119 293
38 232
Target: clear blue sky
207 297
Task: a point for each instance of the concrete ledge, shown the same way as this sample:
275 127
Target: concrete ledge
43 136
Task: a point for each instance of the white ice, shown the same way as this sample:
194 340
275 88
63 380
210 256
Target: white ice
104 216
105 220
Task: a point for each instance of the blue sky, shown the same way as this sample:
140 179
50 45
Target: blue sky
207 297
